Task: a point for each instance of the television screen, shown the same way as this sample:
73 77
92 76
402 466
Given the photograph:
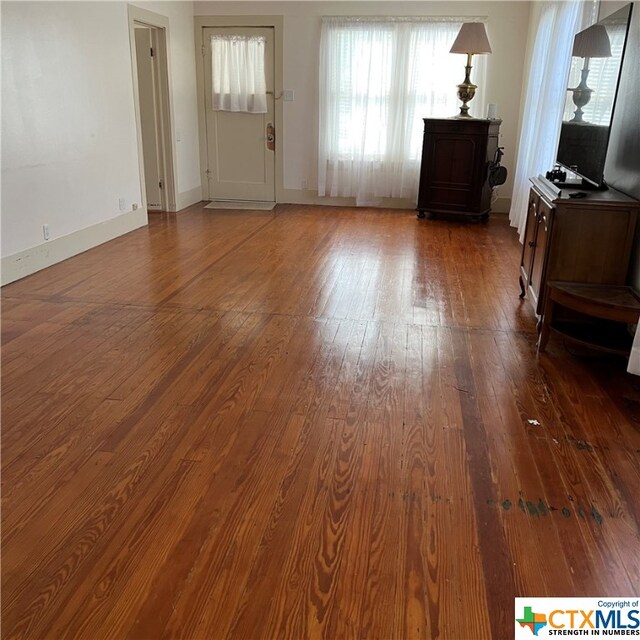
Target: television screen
593 83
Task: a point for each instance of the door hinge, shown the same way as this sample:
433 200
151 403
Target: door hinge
160 184
203 51
151 51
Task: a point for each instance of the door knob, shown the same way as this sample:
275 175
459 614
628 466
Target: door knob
271 137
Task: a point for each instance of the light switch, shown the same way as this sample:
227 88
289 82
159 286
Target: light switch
288 95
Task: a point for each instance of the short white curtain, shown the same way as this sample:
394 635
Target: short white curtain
237 70
378 78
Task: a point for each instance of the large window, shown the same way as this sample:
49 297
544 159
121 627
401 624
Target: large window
378 78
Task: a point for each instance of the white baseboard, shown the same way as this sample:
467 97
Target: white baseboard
307 196
300 196
187 198
501 205
24 263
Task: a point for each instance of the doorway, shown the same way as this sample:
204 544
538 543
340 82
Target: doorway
240 144
240 153
149 48
150 116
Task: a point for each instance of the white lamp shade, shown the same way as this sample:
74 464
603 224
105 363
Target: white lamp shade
592 43
472 38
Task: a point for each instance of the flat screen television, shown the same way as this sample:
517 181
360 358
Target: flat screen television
594 74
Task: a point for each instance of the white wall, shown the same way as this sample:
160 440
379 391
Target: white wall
68 131
507 27
69 141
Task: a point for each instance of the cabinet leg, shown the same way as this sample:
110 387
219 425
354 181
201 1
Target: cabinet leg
544 325
522 289
421 214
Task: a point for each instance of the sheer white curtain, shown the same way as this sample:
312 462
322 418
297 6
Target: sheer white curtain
237 73
378 78
550 58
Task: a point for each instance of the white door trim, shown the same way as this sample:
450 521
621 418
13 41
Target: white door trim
160 25
276 22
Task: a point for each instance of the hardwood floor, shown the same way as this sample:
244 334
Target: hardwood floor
311 422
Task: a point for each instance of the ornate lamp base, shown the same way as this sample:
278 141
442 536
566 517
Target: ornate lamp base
581 96
466 90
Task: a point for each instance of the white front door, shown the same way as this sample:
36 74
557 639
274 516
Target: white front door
241 166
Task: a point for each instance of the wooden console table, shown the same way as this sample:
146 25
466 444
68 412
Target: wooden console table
587 240
612 308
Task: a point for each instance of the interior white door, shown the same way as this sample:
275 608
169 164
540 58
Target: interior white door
241 166
149 118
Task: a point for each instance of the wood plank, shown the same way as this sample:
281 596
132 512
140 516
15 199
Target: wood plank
313 422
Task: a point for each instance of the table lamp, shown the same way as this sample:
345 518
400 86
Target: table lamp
590 43
472 38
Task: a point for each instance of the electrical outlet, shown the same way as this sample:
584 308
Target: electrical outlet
288 95
304 184
134 206
122 204
45 231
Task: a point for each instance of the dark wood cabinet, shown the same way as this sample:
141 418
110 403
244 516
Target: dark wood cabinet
586 240
456 154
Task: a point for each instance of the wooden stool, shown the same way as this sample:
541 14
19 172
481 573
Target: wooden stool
599 301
